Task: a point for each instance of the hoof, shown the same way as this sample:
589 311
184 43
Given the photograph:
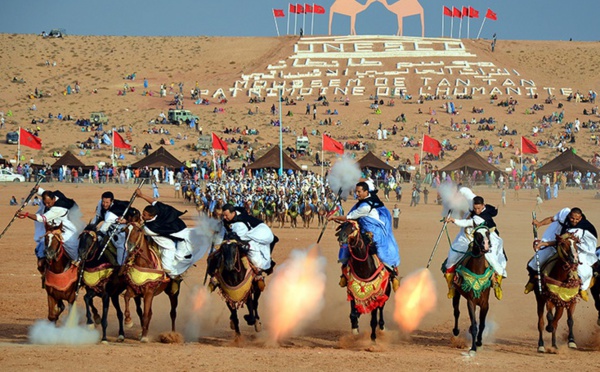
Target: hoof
97 320
572 345
144 340
549 329
382 328
541 349
128 323
249 320
104 342
231 325
258 326
455 332
121 338
91 326
355 331
472 353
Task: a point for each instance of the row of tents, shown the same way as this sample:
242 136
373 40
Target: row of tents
468 162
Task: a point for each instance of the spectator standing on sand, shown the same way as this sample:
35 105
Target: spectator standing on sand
396 216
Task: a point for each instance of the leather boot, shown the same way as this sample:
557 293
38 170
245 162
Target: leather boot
529 287
450 281
498 287
261 283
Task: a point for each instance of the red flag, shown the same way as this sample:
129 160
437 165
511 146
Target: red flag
431 145
119 142
465 11
292 8
29 140
329 144
456 13
491 15
473 13
218 144
447 11
278 13
299 9
308 8
528 147
318 9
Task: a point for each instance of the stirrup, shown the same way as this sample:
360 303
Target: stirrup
395 284
529 287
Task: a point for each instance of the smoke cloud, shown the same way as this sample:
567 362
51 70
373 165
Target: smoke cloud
207 231
44 332
460 201
344 175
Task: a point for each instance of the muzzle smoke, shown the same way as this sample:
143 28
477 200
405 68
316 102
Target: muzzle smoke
344 174
44 332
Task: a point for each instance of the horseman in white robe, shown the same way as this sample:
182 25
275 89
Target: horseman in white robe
58 209
107 217
480 214
567 220
174 239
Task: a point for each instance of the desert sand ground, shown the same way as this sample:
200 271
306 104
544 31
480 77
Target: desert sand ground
326 344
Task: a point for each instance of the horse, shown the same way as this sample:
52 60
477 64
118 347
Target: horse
307 213
146 278
60 275
560 289
368 281
293 213
258 209
280 212
238 281
101 278
270 209
595 290
473 281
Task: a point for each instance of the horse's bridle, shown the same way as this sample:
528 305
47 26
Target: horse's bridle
94 236
353 240
137 245
55 254
236 258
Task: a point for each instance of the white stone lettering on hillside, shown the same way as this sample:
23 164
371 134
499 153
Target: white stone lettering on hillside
387 66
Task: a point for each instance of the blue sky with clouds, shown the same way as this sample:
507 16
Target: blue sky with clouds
517 19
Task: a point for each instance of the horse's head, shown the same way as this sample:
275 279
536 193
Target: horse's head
87 240
481 240
230 251
348 232
566 246
135 235
54 242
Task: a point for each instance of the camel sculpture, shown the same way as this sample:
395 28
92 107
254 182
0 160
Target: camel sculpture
403 8
349 8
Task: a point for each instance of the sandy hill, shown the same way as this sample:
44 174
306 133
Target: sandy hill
100 63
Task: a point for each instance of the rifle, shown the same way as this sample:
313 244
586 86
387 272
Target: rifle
337 200
31 193
437 242
537 256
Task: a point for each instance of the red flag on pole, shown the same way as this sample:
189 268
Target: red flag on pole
308 8
329 144
29 140
299 9
119 142
473 13
218 144
431 145
528 147
491 15
447 11
318 9
292 8
278 13
465 11
456 13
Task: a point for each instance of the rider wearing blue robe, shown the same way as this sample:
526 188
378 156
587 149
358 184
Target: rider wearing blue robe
373 217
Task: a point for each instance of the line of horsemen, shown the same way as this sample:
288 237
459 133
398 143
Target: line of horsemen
151 249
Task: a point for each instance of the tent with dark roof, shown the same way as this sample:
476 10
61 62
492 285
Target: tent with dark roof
271 160
372 161
69 160
568 161
470 161
159 158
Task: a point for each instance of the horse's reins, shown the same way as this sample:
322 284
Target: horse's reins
362 245
61 247
238 262
138 244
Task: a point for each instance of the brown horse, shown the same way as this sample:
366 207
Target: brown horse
101 278
368 281
321 213
146 278
293 213
281 212
60 274
473 281
595 290
270 211
560 289
307 214
237 280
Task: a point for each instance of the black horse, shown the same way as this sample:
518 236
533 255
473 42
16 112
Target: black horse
368 281
239 283
101 278
595 290
475 279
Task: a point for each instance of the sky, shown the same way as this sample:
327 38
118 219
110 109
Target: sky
517 19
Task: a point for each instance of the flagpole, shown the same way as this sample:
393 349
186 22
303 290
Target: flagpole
442 21
304 19
288 19
280 135
452 24
460 27
421 158
481 28
312 22
19 147
322 154
469 24
276 27
296 19
112 158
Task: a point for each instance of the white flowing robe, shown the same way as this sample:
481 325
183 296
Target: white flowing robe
495 257
71 227
110 219
586 249
259 239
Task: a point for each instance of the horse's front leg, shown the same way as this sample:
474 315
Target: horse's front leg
541 304
115 301
354 315
234 322
557 316
456 306
473 329
374 325
381 321
127 322
147 315
174 300
570 322
104 321
54 309
89 304
483 310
